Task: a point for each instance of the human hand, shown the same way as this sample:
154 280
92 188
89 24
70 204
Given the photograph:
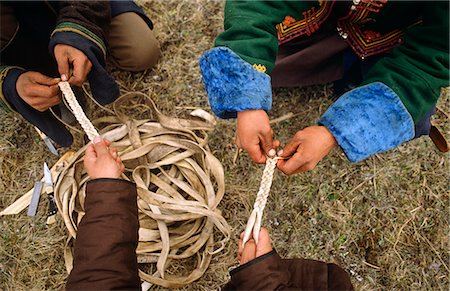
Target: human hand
251 251
38 91
307 148
102 161
67 56
253 134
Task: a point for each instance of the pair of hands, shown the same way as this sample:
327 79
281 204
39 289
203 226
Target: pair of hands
301 154
42 92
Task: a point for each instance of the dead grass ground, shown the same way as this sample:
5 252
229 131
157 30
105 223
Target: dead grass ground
384 220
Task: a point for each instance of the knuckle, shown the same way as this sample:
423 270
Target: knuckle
27 91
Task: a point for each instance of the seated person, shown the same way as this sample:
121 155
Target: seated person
107 237
43 42
388 61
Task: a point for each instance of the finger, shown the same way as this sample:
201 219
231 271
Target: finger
263 246
266 143
107 142
256 154
120 164
80 71
293 165
37 90
100 147
43 103
240 249
289 149
114 155
122 167
90 153
63 65
249 252
276 143
45 80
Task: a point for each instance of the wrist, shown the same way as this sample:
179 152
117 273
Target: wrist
331 140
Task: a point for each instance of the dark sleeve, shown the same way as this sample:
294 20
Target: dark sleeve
105 247
266 272
84 25
89 19
270 272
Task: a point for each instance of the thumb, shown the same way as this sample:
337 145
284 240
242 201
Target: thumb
100 146
264 245
63 65
249 252
289 149
267 144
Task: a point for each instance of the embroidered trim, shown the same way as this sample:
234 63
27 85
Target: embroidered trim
366 43
260 68
290 28
76 28
3 72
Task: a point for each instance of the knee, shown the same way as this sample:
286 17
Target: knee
133 46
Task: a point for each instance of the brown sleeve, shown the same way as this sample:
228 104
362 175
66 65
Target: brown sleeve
270 272
105 247
266 272
317 275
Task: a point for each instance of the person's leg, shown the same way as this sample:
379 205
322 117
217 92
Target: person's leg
133 46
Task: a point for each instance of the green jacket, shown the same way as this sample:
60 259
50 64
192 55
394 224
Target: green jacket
397 93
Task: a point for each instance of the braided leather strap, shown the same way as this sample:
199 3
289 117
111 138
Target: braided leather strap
254 221
77 110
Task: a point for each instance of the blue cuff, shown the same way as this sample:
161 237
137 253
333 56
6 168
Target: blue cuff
232 84
368 120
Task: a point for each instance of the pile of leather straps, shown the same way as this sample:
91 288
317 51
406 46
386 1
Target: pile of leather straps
179 184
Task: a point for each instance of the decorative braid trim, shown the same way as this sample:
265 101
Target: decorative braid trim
260 68
3 72
290 28
83 31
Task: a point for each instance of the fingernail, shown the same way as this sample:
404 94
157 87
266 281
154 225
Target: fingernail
97 139
272 153
63 77
280 152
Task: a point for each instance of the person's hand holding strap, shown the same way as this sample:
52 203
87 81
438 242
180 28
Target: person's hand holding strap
69 57
38 91
254 134
306 149
102 161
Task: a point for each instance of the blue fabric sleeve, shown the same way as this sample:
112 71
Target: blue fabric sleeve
232 84
368 120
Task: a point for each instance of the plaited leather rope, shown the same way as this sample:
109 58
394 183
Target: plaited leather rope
179 184
254 221
85 123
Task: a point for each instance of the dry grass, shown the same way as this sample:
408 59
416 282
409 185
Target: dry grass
384 220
